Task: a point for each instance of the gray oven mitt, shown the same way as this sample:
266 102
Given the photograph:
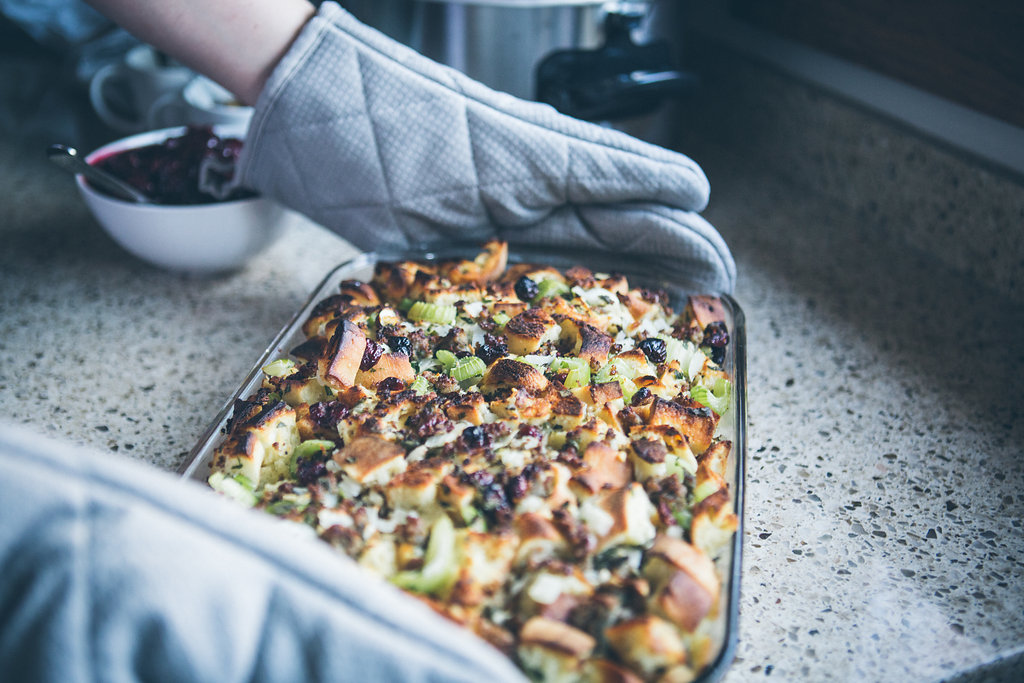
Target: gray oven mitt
117 572
391 149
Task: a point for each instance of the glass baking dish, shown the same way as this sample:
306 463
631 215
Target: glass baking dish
732 426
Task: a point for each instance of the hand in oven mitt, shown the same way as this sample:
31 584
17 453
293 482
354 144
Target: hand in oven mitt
114 571
391 149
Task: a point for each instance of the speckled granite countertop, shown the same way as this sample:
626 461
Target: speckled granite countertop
885 487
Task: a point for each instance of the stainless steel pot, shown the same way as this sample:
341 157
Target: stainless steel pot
502 42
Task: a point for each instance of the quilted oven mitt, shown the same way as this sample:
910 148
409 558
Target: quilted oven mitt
114 571
391 149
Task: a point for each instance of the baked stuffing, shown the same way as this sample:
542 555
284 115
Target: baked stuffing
531 452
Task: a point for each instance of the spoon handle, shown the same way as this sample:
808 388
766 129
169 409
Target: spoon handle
67 158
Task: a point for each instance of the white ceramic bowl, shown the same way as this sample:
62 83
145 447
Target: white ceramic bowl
201 238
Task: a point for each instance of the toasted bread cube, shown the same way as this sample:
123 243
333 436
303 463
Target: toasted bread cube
521 405
647 644
509 308
584 340
714 523
705 310
458 498
567 411
638 307
629 511
393 280
295 391
261 446
648 458
380 556
392 364
539 539
532 271
604 671
417 487
590 431
371 460
341 359
506 373
553 650
360 293
529 330
685 584
682 673
241 454
605 467
487 266
469 406
716 458
698 425
484 560
616 284
275 428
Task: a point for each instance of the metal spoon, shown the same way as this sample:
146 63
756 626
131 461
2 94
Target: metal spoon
68 159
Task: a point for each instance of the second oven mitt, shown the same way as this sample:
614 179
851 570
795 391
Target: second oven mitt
113 571
391 149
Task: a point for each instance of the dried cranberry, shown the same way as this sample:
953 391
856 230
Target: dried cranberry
493 502
529 430
400 345
641 395
493 348
389 385
308 470
516 488
479 479
476 437
716 335
526 289
654 349
327 415
371 355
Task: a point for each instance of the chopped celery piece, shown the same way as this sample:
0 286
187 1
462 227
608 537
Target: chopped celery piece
675 350
432 313
500 319
717 397
691 359
696 365
577 377
579 371
468 367
420 386
244 481
233 487
684 518
546 288
283 507
568 363
704 489
439 562
535 360
629 388
623 371
308 449
282 367
447 358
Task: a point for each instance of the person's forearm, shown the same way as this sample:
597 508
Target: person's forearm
235 42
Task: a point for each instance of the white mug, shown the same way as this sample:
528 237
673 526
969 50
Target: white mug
200 103
136 82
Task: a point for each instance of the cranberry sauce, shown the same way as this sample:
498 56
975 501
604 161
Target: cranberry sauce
169 172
